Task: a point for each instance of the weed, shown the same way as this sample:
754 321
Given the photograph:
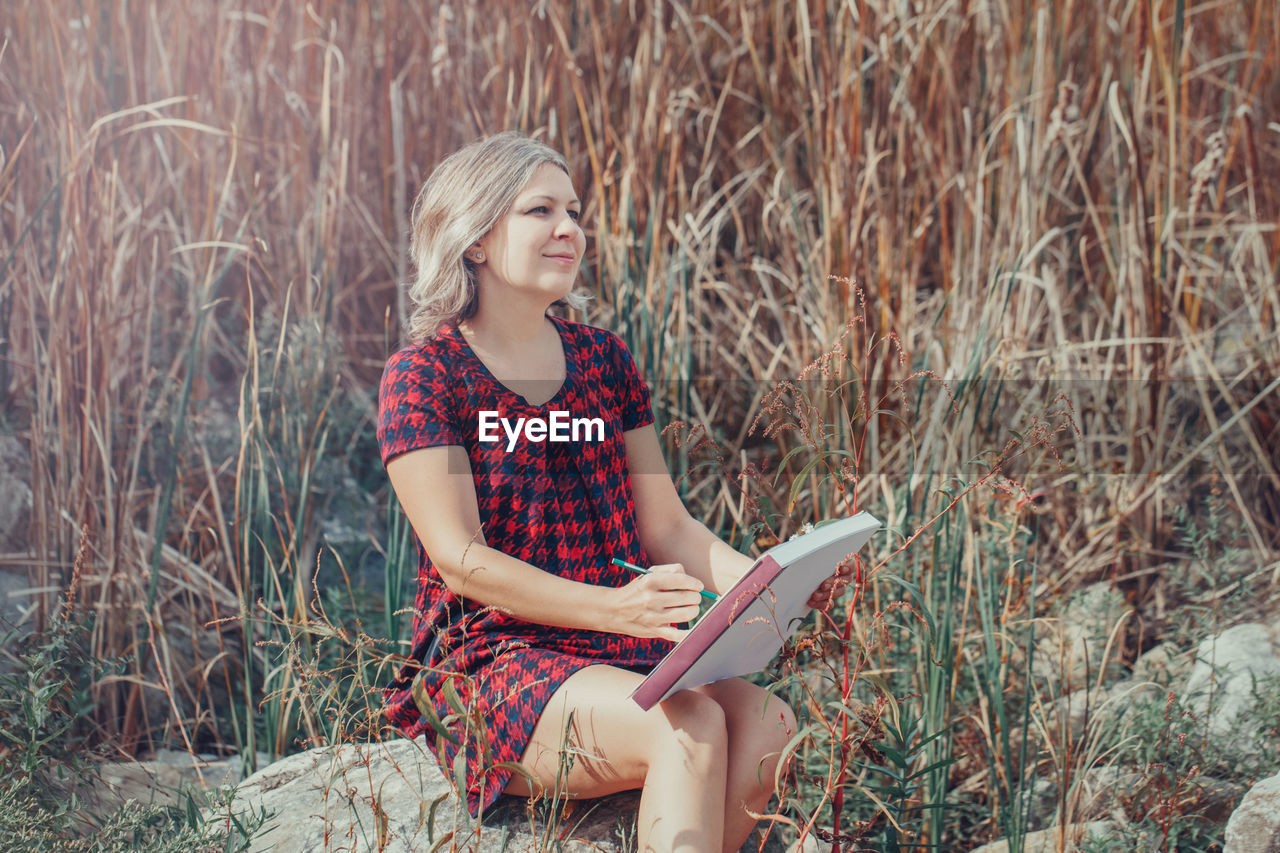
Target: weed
47 771
1040 204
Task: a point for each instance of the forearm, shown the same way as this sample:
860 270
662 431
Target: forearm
495 579
703 554
441 505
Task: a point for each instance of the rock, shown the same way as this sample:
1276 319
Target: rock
1098 790
1091 796
1091 706
1073 651
1040 800
1162 665
216 421
1222 685
1088 708
15 602
16 615
1254 826
1273 627
391 797
162 780
349 513
1046 840
15 496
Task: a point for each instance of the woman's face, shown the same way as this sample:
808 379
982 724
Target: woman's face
535 249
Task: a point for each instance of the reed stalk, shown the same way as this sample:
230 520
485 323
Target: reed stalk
1046 207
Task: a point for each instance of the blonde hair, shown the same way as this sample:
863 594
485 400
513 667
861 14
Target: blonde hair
463 199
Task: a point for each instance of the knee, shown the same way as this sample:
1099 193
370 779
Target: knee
694 719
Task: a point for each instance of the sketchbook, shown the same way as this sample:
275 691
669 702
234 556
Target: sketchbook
743 631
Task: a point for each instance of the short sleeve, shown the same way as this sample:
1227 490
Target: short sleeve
416 406
634 405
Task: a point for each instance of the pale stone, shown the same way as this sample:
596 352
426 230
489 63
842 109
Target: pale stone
391 797
1098 788
1273 627
1161 665
1072 651
163 780
15 603
1088 707
1254 826
15 495
1047 840
1222 684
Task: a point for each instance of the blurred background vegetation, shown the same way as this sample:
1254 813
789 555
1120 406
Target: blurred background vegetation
1030 246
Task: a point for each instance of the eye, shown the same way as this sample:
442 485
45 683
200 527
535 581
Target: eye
540 209
575 215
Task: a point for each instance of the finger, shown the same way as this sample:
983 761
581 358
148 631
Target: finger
668 568
685 613
678 600
672 633
675 582
821 596
687 598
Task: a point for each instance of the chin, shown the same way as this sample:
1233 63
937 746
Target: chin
560 289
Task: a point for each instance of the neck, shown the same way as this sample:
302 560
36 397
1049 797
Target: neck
512 322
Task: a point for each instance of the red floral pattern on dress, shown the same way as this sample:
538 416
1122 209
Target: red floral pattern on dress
566 508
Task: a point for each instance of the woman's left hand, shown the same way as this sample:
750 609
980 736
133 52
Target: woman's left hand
831 587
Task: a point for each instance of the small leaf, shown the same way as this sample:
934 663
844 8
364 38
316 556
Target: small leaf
460 774
431 816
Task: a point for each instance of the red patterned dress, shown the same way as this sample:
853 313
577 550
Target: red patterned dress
565 507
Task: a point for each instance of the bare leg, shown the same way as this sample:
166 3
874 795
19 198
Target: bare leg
676 752
758 732
702 757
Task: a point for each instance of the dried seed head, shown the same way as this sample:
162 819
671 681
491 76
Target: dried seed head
1207 169
1064 118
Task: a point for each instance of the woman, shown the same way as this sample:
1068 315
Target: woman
523 452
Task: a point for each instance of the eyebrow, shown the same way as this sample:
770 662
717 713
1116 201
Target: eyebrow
545 197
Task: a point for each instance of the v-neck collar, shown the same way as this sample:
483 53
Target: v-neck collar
570 366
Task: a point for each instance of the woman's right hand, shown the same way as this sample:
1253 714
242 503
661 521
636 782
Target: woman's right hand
651 604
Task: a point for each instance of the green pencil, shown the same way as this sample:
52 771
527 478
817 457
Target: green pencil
640 571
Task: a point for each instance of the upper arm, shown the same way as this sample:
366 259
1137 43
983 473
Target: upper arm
420 440
436 491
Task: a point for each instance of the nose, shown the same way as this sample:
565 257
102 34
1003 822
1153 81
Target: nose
567 227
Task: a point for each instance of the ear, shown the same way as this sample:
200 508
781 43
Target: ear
475 253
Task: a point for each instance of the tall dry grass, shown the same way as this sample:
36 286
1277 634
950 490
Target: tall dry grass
205 210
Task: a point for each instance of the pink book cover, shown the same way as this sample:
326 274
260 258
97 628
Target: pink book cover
745 629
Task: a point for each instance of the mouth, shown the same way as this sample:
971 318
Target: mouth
565 259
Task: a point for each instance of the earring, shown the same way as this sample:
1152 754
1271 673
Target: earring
480 257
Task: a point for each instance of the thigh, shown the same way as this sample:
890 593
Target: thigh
591 738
